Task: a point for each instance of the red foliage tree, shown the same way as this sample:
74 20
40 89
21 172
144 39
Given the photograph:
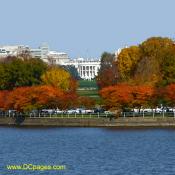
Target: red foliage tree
169 94
3 98
118 96
86 102
36 97
143 96
124 95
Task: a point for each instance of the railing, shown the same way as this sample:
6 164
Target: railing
62 115
148 114
75 115
91 115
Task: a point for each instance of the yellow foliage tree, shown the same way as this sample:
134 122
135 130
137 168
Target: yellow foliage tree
127 61
57 77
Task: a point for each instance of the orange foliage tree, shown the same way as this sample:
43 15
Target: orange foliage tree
144 95
118 96
69 100
35 97
3 98
124 95
86 102
169 94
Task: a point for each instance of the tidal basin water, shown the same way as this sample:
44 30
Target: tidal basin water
89 151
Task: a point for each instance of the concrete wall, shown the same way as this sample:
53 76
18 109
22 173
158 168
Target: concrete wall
92 122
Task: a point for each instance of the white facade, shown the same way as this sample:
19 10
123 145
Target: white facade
87 69
12 50
40 52
57 57
50 57
36 53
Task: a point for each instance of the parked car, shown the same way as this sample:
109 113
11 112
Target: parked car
146 110
157 110
89 111
58 111
47 111
71 111
99 110
80 111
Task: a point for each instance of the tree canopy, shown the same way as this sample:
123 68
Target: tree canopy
127 62
124 95
108 74
146 75
58 77
17 73
152 62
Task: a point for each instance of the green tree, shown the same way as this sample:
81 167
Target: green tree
17 73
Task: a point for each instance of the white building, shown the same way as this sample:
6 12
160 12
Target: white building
58 57
12 50
50 57
87 68
40 52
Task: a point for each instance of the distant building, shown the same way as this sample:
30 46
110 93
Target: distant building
40 52
86 68
50 57
58 57
36 53
13 50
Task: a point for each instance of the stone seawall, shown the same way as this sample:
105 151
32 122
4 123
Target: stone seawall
91 122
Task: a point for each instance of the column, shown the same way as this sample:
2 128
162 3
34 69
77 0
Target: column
86 72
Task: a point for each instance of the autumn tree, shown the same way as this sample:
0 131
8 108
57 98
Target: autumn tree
118 96
3 98
157 56
108 73
168 67
69 100
19 99
127 61
86 102
124 95
143 96
57 77
169 94
35 97
151 63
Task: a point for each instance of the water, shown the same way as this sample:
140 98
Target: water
89 151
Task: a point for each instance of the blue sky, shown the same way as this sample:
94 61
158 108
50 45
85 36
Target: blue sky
85 28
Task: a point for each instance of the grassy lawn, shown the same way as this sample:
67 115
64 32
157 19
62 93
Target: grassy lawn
87 84
84 91
89 93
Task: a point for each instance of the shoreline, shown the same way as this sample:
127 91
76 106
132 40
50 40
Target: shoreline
132 122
